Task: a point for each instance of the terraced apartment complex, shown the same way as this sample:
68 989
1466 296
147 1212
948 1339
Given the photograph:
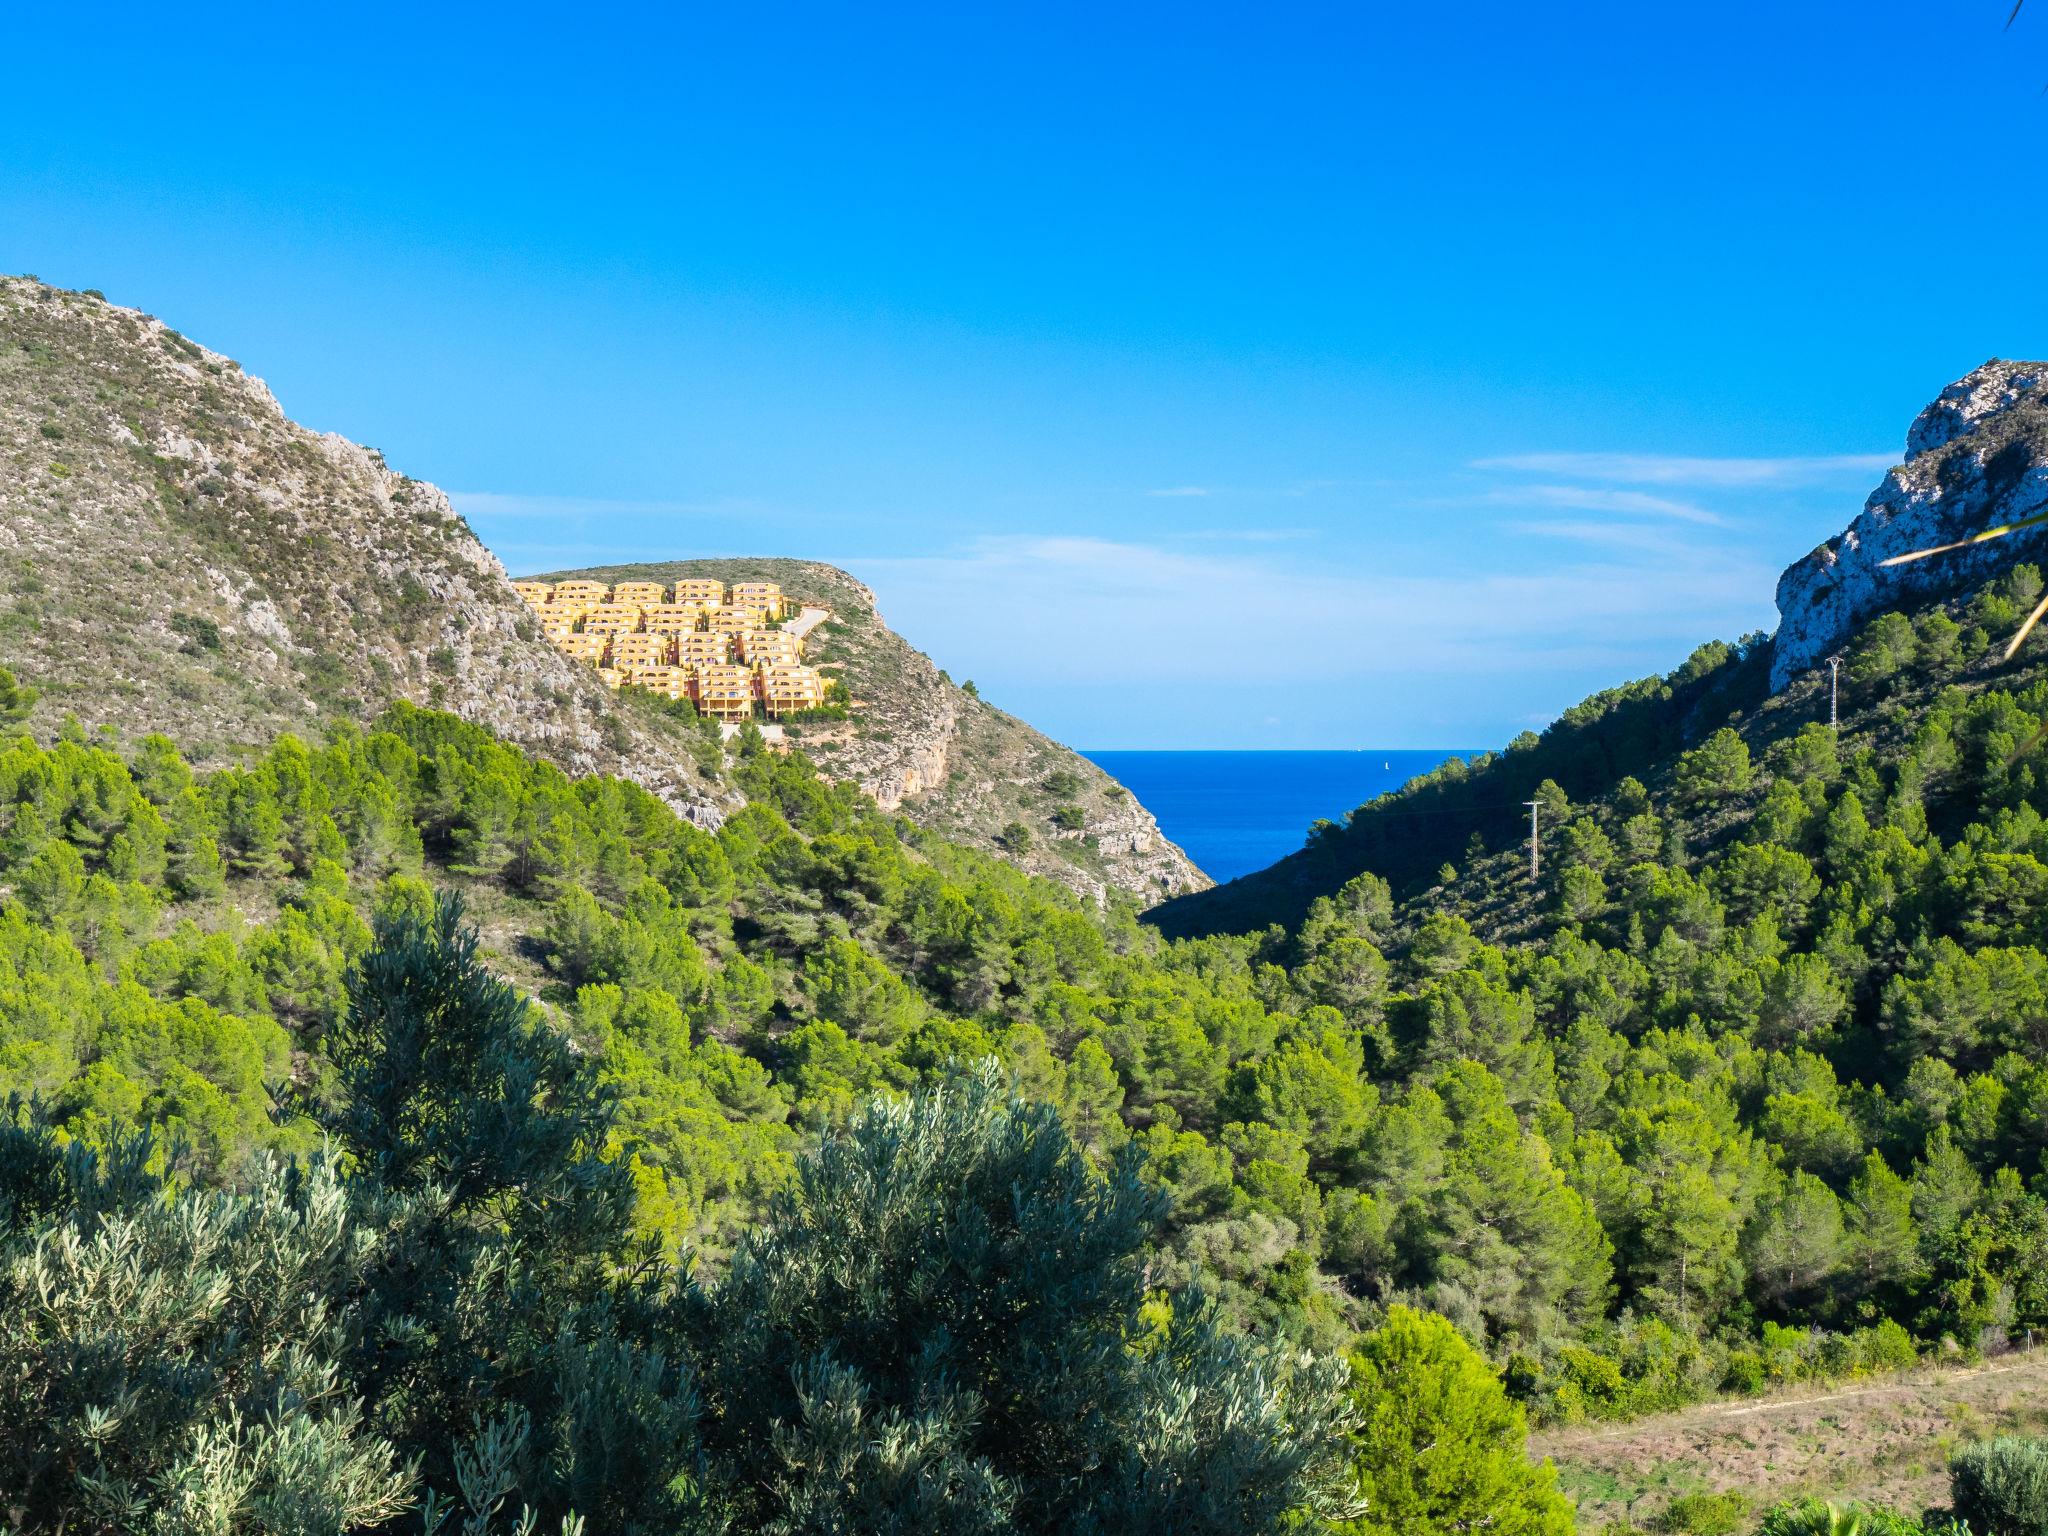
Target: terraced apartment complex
726 650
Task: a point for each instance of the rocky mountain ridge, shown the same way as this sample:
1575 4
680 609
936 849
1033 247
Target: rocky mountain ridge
1975 458
178 555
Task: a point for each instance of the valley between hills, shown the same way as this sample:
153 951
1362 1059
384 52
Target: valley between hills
438 1076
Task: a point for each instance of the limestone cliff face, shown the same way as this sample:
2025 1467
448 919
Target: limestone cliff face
1975 458
945 758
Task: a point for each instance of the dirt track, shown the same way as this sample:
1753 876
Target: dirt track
1886 1441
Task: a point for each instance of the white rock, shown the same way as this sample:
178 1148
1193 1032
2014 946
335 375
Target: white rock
1976 457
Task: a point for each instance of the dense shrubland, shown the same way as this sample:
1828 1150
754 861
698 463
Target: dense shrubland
440 1319
1749 1090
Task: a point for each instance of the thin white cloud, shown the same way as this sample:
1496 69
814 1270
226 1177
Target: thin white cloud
1070 611
1606 498
1659 538
1670 469
1182 490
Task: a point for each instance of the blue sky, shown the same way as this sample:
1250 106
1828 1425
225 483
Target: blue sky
1186 375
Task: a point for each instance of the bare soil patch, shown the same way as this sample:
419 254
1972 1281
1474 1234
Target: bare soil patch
1884 1441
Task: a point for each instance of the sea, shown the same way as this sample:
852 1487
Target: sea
1235 812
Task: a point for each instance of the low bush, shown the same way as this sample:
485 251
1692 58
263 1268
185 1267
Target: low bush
2001 1486
1704 1514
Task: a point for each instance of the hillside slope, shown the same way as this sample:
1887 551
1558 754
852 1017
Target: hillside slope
1976 457
176 554
944 757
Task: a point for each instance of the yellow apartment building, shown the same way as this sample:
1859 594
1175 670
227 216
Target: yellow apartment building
737 621
638 651
669 682
785 690
733 665
726 693
764 595
671 618
612 619
764 645
703 649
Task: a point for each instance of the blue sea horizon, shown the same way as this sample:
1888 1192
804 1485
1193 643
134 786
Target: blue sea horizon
1239 811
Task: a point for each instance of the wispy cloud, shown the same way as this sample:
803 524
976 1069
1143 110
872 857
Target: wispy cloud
1656 538
1182 490
1670 469
1606 498
1148 613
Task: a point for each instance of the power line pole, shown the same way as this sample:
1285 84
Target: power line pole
1535 858
1835 694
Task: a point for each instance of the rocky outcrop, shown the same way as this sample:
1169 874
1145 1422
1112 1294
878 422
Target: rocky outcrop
1975 458
907 768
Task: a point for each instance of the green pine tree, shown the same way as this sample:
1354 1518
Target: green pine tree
1439 1449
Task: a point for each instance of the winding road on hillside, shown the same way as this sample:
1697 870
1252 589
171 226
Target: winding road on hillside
807 620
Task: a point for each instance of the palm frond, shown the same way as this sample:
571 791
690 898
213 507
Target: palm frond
1976 538
2026 629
